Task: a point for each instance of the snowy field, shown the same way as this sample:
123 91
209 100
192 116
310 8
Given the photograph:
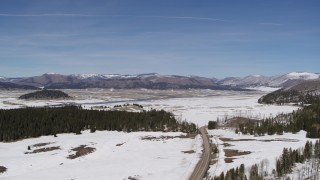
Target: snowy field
197 106
117 155
143 159
264 148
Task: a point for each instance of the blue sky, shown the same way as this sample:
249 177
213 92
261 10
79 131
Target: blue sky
206 38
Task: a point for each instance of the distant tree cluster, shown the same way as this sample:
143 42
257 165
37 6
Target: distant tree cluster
289 157
212 125
234 173
283 96
33 122
2 169
307 119
45 94
284 165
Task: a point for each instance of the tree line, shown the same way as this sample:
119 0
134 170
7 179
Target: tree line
34 122
45 94
307 119
283 96
284 165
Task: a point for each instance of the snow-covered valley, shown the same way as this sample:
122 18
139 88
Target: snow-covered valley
119 155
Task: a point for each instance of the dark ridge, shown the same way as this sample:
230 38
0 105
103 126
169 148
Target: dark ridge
307 92
8 85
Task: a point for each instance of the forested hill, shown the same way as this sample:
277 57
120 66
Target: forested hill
303 93
307 119
34 122
45 94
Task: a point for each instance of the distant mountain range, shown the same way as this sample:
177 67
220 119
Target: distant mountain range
153 81
306 92
285 80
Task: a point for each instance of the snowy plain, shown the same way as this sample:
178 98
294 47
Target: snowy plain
262 148
143 159
118 155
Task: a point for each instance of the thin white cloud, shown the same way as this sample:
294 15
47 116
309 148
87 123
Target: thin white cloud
46 15
186 17
112 15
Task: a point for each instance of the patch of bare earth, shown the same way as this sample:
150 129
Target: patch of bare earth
3 169
229 153
188 152
120 144
235 140
153 138
42 144
82 150
227 144
234 152
47 149
228 160
280 139
212 162
134 177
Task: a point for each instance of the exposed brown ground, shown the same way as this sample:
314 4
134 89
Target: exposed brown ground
81 151
43 150
41 144
189 152
212 162
262 140
120 144
3 169
133 178
234 152
228 160
227 145
151 138
234 140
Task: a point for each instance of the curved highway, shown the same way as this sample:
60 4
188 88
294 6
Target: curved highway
203 165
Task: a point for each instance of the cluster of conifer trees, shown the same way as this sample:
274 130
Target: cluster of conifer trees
289 157
45 94
284 164
236 174
307 119
239 174
33 122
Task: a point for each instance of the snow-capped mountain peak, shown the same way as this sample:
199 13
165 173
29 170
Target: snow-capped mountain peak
272 81
51 73
3 79
85 76
302 75
102 76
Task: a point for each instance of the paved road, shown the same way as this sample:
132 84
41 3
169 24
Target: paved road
203 165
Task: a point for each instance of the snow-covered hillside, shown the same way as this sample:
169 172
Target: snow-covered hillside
3 78
272 81
103 76
303 75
